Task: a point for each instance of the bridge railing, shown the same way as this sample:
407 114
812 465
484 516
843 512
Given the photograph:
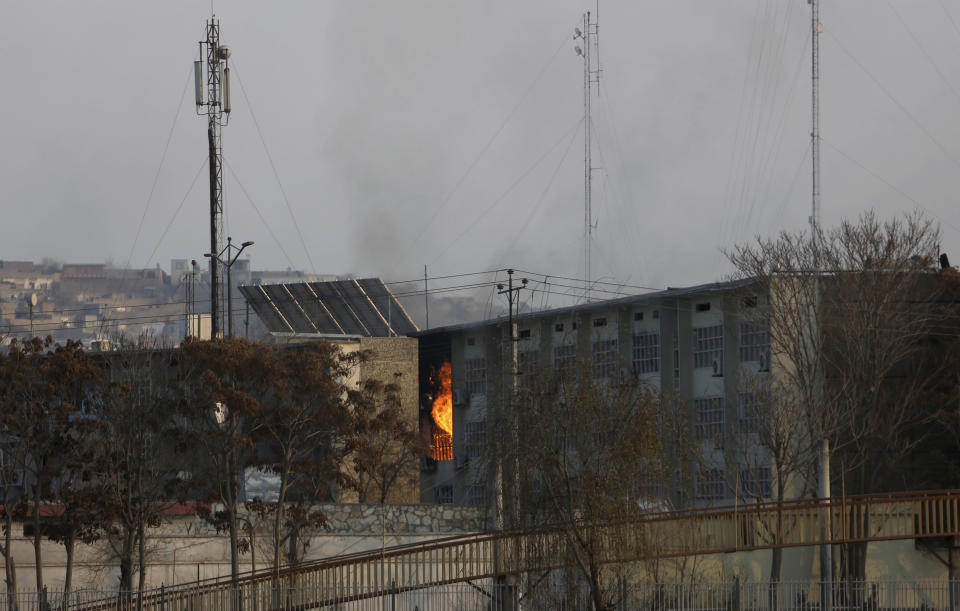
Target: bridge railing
661 535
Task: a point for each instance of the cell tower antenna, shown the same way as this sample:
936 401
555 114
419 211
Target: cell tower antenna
590 52
213 101
815 29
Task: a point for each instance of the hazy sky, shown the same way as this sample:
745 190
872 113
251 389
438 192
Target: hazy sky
449 133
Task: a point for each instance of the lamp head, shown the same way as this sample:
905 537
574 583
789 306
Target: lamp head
245 244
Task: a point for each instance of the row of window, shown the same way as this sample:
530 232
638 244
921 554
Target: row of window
707 352
709 416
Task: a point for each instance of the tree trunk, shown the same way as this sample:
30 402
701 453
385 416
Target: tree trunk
126 561
9 566
278 521
141 561
37 553
68 545
596 589
954 573
826 556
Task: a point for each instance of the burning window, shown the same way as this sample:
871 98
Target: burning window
646 353
604 358
475 376
441 442
708 414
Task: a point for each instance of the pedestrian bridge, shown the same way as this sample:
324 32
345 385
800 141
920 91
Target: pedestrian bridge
471 558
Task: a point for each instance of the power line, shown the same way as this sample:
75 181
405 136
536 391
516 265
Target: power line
263 220
273 167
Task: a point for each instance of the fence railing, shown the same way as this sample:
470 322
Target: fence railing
486 595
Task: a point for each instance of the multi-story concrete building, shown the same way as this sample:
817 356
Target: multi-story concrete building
696 342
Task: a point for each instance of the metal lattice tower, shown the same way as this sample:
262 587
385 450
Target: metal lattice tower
591 74
815 29
216 107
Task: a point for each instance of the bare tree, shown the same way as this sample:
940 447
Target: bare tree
137 468
219 410
386 446
593 451
850 315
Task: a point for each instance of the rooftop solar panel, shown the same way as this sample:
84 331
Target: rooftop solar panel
351 307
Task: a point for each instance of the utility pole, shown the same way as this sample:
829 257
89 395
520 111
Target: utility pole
591 74
228 263
510 395
426 299
216 107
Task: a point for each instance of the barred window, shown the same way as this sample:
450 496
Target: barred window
708 418
707 345
710 485
565 357
477 495
754 341
475 438
527 362
475 374
443 495
646 353
747 405
604 358
756 482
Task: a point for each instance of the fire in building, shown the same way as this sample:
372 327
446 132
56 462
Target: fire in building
441 440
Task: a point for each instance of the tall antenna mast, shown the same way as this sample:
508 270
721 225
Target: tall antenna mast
591 74
216 107
815 29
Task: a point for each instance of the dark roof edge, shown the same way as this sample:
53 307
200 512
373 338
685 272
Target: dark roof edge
652 297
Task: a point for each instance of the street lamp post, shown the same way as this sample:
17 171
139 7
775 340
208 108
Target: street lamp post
228 263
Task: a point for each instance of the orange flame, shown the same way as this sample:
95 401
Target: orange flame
442 414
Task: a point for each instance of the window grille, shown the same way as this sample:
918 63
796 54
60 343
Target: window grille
443 495
707 346
711 485
604 358
477 495
475 438
475 376
754 342
527 361
646 353
747 415
756 482
565 357
708 418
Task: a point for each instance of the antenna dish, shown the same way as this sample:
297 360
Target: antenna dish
577 33
578 50
223 52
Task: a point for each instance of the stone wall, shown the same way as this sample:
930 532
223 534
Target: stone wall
184 548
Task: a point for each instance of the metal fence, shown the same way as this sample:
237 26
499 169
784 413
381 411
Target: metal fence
489 596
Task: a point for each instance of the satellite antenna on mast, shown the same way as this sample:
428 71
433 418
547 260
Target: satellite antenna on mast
212 96
590 52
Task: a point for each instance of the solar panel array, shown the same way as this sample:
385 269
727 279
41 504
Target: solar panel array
363 307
